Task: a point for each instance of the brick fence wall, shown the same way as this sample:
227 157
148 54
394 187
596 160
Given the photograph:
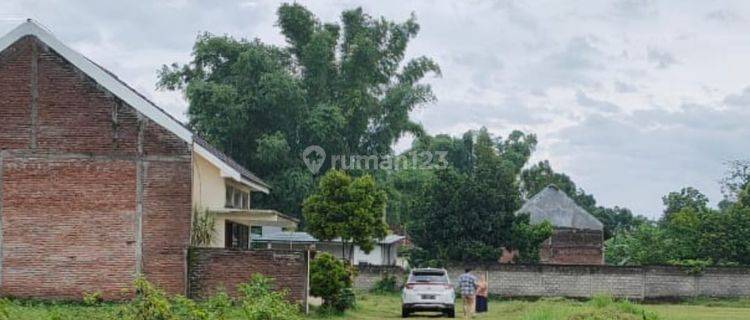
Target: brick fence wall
642 283
213 269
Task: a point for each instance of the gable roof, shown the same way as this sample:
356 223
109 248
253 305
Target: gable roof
119 88
554 205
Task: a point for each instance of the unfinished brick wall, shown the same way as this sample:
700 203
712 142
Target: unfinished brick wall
215 268
573 246
91 192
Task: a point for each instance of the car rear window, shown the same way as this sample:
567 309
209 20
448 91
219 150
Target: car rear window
428 276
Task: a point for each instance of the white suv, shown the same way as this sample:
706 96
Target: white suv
428 290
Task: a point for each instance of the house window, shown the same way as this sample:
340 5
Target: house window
245 200
237 204
256 230
237 235
230 197
237 199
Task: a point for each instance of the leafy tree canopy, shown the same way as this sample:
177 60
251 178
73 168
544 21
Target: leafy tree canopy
468 215
343 86
348 208
686 198
689 233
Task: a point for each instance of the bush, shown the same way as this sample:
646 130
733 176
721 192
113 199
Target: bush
260 302
330 279
386 284
151 303
4 306
346 299
606 308
92 298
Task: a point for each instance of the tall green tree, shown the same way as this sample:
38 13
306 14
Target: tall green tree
346 208
736 179
689 233
469 216
343 86
687 198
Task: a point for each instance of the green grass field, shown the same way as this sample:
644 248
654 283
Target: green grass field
372 307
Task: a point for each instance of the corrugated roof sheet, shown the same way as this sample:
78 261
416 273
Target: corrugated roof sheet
307 238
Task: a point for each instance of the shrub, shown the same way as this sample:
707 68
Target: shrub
260 302
4 306
150 303
692 266
92 298
606 308
203 228
386 284
218 306
346 299
329 279
186 309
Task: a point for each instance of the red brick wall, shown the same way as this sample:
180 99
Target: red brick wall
166 223
68 204
57 239
570 246
15 95
214 268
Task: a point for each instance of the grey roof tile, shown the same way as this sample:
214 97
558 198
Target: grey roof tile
554 205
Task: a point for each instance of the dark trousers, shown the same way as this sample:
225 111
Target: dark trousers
481 304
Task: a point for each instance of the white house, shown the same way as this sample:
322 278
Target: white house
385 252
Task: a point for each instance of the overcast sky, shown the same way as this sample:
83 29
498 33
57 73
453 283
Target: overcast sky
632 99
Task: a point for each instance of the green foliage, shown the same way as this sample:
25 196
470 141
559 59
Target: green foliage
4 309
150 303
260 302
330 279
346 208
203 232
607 308
642 246
343 86
92 298
218 305
694 237
528 238
736 179
184 308
344 300
257 302
467 214
387 283
687 198
692 266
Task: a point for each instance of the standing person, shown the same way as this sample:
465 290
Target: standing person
482 293
467 282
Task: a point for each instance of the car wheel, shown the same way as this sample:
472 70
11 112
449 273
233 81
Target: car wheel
450 313
404 312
